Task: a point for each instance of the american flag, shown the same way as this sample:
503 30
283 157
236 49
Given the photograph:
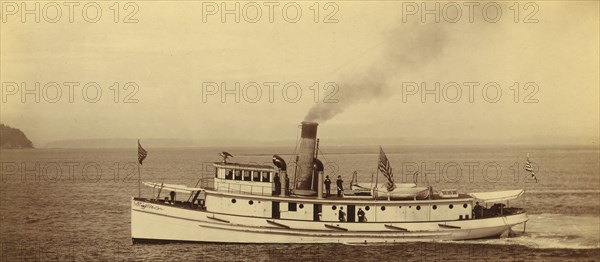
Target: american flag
385 168
529 168
142 153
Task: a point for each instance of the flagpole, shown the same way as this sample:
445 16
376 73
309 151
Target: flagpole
139 182
375 191
142 153
139 176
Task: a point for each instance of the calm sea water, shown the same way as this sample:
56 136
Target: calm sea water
73 204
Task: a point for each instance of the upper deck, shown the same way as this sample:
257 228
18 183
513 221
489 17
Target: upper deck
243 178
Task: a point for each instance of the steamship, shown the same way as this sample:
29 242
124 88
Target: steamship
249 203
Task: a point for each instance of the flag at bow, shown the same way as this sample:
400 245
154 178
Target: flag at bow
142 153
386 169
529 168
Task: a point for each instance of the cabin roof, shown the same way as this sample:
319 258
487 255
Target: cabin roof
242 166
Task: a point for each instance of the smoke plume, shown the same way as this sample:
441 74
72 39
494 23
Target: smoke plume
406 48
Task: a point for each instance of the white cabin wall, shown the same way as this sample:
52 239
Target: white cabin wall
241 207
236 186
443 211
328 214
304 213
392 213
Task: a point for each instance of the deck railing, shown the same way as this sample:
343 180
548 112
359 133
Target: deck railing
244 189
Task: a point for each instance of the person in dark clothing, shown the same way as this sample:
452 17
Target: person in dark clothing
477 210
172 194
277 183
342 215
340 186
287 185
361 215
327 186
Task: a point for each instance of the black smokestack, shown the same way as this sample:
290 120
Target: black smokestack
306 155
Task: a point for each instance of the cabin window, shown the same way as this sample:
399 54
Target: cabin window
265 177
292 206
434 207
466 216
301 206
382 208
256 176
451 206
334 207
247 176
216 172
465 205
418 207
250 202
400 207
367 208
228 174
460 217
233 200
238 174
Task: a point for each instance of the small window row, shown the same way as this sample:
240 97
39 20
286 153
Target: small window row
246 175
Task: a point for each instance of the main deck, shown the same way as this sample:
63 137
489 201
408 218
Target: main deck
181 221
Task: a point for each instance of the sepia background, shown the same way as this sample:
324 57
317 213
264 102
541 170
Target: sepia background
483 87
170 53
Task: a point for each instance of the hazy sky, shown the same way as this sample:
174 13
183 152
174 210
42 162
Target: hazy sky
370 53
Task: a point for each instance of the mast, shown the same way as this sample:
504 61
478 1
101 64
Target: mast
376 182
312 186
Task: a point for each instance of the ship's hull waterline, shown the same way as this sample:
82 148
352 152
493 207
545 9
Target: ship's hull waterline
155 222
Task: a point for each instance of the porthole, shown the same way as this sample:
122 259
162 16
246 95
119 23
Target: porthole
334 207
301 206
465 205
233 201
250 202
399 206
418 207
434 207
367 208
382 208
451 206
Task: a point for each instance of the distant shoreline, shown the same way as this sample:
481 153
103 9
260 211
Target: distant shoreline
374 147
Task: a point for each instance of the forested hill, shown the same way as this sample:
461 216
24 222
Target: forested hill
13 138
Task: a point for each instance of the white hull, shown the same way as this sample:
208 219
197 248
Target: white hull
163 222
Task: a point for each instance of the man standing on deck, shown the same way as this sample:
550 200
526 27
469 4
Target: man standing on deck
477 210
287 185
361 215
327 186
277 183
342 215
340 186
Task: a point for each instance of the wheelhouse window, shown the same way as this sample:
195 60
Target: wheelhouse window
238 174
292 207
256 176
228 174
247 176
266 177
